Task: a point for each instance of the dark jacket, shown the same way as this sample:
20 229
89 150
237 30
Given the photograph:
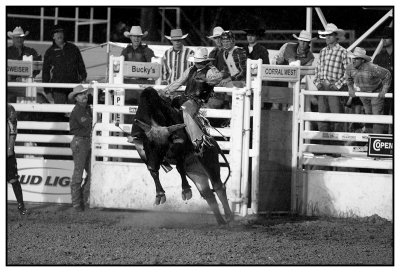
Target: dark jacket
218 55
259 52
142 54
63 65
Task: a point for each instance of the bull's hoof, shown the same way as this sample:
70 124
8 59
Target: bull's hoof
160 199
186 194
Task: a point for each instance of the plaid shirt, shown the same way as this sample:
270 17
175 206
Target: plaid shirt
368 77
331 65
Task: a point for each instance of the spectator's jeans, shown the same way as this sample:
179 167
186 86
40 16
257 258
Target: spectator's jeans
81 153
330 104
375 106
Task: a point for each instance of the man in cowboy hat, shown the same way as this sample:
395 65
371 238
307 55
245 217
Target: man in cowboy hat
175 60
17 51
217 52
62 63
330 74
253 49
297 51
370 78
199 80
136 51
80 123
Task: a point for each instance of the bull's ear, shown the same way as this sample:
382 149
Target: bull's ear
175 127
143 125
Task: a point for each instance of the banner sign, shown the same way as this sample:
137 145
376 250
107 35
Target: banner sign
44 180
280 73
142 69
19 68
380 146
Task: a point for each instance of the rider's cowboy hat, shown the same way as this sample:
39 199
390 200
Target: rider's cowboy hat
217 31
304 36
17 32
176 34
135 31
200 55
77 90
332 28
359 53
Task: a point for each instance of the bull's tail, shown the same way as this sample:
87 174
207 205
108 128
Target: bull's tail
225 159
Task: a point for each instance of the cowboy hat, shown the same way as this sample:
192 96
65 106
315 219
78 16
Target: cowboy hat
176 34
77 90
217 31
135 31
200 55
304 36
332 28
359 53
17 32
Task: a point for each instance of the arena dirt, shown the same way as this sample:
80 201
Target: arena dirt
55 235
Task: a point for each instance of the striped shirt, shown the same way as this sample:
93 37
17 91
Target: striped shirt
331 65
368 77
175 63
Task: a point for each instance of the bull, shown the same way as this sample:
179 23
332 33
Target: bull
163 140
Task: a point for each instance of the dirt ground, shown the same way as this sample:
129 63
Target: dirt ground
53 234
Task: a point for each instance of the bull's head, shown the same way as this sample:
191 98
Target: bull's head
158 134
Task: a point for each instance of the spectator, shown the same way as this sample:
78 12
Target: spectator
370 78
137 52
199 80
297 51
330 74
12 172
217 52
175 59
17 51
217 101
235 62
80 123
62 63
253 49
385 60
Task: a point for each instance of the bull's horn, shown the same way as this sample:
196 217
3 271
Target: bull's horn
175 127
143 125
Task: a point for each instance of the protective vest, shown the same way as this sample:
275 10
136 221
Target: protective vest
291 53
196 87
230 62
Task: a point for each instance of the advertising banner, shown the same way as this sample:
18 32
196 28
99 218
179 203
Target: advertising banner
380 146
280 73
44 180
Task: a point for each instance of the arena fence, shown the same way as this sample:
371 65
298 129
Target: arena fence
44 156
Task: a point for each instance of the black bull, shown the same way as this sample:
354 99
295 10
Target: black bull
158 120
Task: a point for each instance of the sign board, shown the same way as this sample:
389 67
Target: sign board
284 73
380 146
44 180
142 69
19 68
